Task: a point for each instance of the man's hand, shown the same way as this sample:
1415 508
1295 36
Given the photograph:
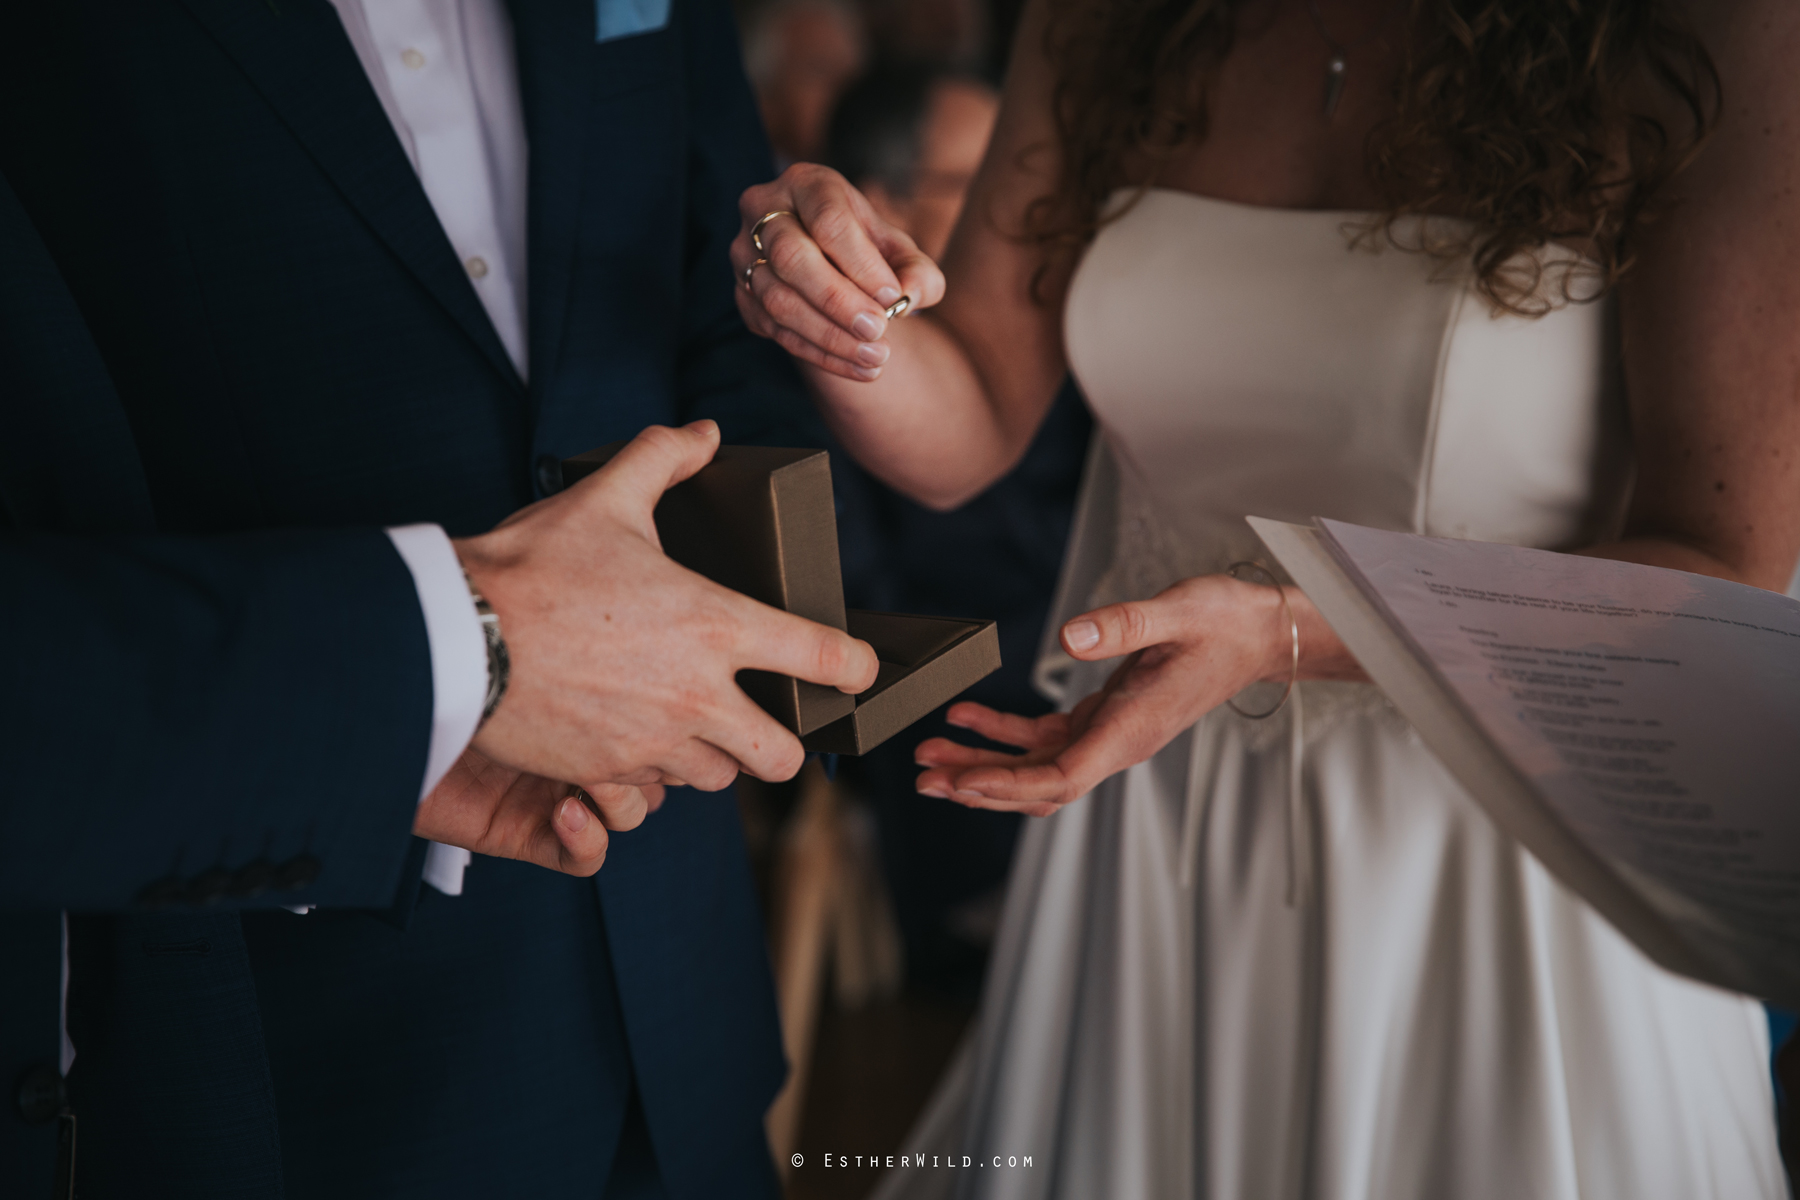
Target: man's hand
492 809
624 663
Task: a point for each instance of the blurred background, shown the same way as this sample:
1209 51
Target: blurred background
882 904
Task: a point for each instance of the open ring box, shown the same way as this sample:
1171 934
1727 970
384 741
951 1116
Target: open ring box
761 521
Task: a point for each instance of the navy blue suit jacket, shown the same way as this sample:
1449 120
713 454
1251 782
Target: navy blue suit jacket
236 679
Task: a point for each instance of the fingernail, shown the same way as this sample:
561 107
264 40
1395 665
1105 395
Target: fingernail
934 793
872 353
867 327
966 794
887 297
868 374
1081 635
575 815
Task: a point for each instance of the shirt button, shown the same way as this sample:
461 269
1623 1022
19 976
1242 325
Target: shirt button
412 58
477 267
549 474
42 1094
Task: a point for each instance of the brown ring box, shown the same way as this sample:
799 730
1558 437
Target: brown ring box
761 521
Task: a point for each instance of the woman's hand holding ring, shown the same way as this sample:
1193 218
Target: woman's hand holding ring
836 274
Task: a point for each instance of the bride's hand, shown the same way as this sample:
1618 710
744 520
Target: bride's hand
832 269
1191 648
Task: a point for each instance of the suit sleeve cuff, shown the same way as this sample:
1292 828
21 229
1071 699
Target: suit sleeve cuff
458 650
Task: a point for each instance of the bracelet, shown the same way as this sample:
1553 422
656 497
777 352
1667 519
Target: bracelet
1293 632
499 662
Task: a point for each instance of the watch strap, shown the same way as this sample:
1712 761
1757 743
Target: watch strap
499 662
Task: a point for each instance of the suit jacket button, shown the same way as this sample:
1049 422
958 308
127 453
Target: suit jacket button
251 880
42 1094
209 886
296 873
162 893
549 474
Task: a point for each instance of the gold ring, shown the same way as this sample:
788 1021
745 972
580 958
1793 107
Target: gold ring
756 229
751 270
898 308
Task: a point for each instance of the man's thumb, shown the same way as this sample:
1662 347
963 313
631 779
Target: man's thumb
656 460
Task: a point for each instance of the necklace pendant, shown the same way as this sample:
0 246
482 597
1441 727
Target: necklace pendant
1334 84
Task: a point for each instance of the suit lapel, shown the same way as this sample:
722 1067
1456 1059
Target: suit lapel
554 40
298 57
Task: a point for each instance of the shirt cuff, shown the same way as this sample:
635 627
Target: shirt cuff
458 650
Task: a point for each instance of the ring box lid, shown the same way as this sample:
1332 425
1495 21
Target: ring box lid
924 661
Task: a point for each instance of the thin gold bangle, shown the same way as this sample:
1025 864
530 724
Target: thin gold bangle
1293 632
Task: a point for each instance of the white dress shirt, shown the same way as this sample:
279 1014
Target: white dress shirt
445 74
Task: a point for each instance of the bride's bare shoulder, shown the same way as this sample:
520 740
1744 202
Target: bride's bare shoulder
1746 37
1712 15
1753 45
1747 88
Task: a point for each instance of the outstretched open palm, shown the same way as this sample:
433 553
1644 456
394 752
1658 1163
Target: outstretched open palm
1187 650
1151 697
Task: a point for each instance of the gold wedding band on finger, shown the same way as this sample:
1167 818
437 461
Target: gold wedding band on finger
897 309
756 229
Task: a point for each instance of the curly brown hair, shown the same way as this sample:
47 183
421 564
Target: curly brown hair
1536 120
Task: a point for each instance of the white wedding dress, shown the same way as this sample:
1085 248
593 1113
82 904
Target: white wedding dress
1292 958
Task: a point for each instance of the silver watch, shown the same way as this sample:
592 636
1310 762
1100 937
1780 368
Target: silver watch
499 663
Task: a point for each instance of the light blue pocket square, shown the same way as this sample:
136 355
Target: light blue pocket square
625 18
